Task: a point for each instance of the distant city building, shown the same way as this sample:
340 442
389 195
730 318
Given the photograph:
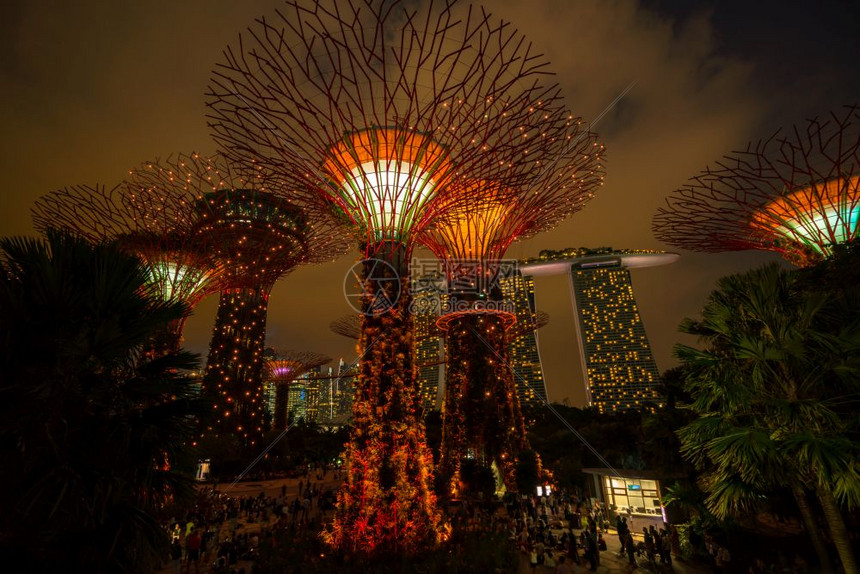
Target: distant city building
298 399
523 350
344 385
326 395
618 366
427 295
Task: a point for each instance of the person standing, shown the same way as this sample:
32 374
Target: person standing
621 528
192 550
649 546
630 545
591 549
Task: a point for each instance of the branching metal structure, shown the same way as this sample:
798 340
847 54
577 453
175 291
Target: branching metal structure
796 193
282 370
348 326
381 110
482 417
256 236
177 262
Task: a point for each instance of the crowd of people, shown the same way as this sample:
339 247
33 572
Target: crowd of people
546 533
560 533
222 531
563 533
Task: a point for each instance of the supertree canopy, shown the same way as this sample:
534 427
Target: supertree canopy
283 369
797 193
378 109
482 417
256 236
177 263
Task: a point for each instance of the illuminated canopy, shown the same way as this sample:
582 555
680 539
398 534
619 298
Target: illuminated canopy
385 178
815 217
252 233
287 366
176 261
796 194
256 236
470 231
403 103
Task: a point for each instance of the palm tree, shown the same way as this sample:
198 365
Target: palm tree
92 434
774 389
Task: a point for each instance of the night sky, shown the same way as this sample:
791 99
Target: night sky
91 89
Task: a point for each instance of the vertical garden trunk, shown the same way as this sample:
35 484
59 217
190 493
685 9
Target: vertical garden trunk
281 414
386 504
234 370
482 412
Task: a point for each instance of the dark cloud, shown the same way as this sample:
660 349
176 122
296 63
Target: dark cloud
91 89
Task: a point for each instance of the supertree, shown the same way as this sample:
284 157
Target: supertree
796 193
284 368
482 417
256 237
377 108
176 261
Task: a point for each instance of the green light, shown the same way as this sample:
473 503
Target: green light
176 281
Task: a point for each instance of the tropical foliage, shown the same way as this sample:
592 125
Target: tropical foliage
776 390
91 432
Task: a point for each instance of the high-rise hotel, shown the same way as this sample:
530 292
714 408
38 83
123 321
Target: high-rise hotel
618 366
427 297
523 350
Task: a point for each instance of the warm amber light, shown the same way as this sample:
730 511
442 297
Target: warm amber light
472 229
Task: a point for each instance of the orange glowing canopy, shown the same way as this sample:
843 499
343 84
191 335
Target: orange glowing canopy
385 178
814 217
472 230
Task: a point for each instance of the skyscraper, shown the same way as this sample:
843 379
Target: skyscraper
427 293
523 350
618 366
344 385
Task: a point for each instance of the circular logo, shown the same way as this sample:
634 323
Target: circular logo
372 287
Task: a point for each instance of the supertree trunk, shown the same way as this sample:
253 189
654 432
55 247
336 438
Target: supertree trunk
234 371
282 398
482 410
386 504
